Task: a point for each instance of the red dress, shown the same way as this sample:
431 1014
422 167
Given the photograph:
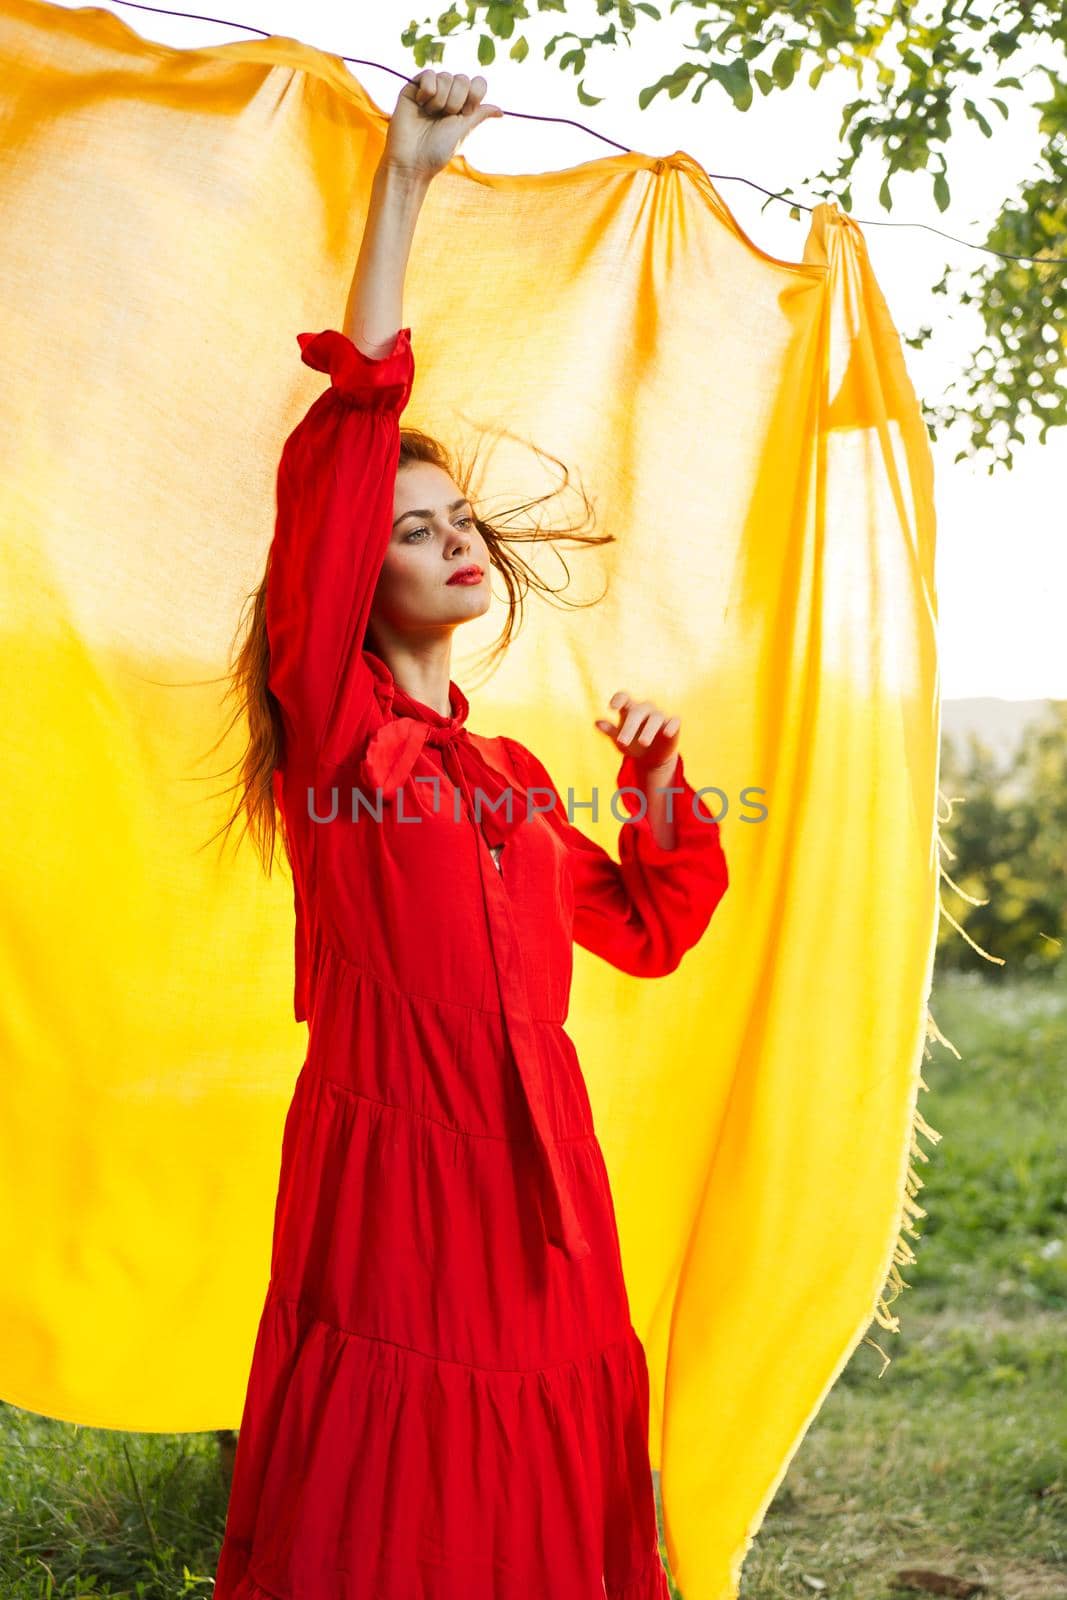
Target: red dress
447 1399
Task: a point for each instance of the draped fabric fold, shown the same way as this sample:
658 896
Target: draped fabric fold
746 429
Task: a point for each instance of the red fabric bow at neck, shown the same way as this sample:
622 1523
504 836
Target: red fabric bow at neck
392 751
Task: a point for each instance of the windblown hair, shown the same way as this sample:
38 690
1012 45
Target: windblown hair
257 708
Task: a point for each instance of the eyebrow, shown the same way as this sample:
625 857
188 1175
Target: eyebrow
426 512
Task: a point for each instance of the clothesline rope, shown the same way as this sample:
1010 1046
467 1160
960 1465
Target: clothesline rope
531 116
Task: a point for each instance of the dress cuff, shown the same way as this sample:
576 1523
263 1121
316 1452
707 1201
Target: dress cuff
694 823
381 384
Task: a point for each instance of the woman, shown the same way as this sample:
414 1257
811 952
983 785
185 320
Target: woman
447 1399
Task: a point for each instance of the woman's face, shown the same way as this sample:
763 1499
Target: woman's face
434 537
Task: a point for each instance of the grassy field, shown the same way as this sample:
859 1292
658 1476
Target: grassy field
955 1460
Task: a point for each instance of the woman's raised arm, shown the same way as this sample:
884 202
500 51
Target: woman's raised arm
375 304
338 467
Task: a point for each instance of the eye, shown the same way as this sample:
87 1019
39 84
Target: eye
408 537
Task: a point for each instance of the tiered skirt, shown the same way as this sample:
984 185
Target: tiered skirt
441 1405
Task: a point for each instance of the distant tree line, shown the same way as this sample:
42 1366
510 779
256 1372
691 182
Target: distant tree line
1007 833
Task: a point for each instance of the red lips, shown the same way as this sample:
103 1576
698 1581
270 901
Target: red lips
467 575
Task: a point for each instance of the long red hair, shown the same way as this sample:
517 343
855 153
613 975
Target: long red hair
255 705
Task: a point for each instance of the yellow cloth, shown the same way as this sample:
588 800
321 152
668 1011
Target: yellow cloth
747 429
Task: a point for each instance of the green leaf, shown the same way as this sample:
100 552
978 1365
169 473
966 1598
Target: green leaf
764 79
976 116
884 195
678 80
587 99
1001 107
501 20
486 50
735 80
847 113
674 83
783 67
941 191
520 49
642 5
816 74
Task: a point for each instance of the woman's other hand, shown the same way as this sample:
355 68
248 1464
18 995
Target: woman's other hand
434 112
644 732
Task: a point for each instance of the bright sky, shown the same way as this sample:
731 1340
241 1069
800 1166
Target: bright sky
1002 539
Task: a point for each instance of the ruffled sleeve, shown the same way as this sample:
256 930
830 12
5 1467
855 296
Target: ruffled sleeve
334 520
644 911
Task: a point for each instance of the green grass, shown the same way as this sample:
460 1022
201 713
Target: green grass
955 1460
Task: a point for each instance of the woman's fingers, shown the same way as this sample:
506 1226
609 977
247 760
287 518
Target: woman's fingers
620 702
643 728
431 89
452 93
443 95
630 714
463 95
435 111
425 86
635 713
449 93
650 727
